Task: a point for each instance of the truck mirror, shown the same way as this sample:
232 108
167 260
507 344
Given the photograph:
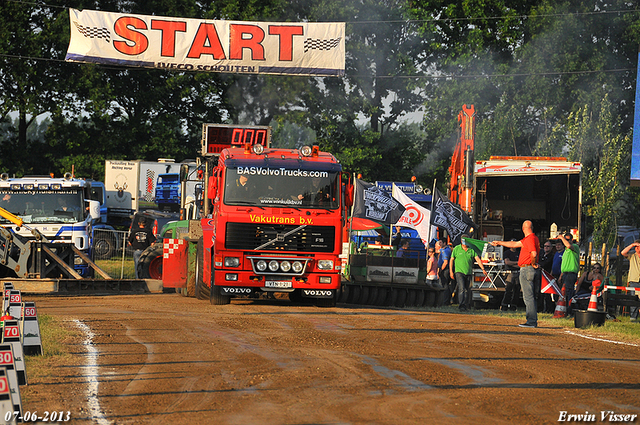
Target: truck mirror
212 187
184 172
94 210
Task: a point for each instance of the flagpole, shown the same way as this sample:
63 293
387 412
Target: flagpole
431 212
351 219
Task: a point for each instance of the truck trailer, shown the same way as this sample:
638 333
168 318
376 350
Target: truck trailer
500 193
131 187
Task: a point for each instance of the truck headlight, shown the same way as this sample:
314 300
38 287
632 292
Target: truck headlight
285 266
231 261
297 266
325 264
273 265
261 265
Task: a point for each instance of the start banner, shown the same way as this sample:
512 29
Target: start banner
182 44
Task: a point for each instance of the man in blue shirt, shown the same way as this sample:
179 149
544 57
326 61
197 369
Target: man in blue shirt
557 259
444 255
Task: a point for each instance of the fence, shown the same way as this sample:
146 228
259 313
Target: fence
111 254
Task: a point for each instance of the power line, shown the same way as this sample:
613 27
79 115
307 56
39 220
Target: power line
380 77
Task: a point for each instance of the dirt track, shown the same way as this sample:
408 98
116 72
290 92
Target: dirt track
165 359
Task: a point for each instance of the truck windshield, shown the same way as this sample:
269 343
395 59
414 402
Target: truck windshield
282 188
59 206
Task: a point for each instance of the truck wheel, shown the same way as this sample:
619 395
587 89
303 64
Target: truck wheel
364 296
103 248
420 298
411 298
373 295
150 263
430 299
217 298
326 302
202 290
296 296
344 293
401 298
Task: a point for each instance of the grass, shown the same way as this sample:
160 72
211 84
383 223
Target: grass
55 348
621 329
115 266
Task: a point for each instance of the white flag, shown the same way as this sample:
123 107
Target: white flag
415 216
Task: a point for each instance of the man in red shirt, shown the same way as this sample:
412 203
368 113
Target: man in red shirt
528 262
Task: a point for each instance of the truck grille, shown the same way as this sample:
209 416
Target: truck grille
249 236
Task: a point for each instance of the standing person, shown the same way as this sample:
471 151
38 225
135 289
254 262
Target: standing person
403 251
512 289
140 238
528 262
444 255
570 267
462 258
545 302
634 273
432 268
557 260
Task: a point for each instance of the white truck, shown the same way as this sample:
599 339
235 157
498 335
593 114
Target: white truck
58 208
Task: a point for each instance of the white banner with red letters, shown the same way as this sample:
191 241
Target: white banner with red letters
182 44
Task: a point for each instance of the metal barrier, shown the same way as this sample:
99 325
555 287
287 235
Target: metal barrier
111 253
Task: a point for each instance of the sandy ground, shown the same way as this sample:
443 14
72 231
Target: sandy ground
165 359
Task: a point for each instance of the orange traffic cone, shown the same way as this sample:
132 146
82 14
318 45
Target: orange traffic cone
561 307
593 301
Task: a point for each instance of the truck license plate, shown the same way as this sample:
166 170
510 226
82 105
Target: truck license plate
278 284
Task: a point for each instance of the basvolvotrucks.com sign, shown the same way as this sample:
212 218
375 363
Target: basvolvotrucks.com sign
205 45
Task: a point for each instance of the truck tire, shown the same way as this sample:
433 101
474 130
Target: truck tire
202 290
217 298
326 302
103 248
150 263
373 295
430 299
411 298
344 293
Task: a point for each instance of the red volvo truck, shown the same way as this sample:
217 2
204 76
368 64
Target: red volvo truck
272 221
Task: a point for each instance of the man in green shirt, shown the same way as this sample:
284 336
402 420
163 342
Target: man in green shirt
570 267
462 258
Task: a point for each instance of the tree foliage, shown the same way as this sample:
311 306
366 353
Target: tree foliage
547 77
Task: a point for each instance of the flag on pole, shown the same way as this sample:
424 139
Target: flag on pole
415 216
477 245
549 285
375 204
450 217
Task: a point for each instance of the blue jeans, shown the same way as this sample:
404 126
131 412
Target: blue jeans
569 280
633 311
527 277
136 257
464 294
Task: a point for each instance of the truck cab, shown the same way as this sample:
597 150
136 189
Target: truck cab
58 208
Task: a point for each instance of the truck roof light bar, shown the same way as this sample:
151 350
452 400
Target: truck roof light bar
305 150
67 176
258 149
4 176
